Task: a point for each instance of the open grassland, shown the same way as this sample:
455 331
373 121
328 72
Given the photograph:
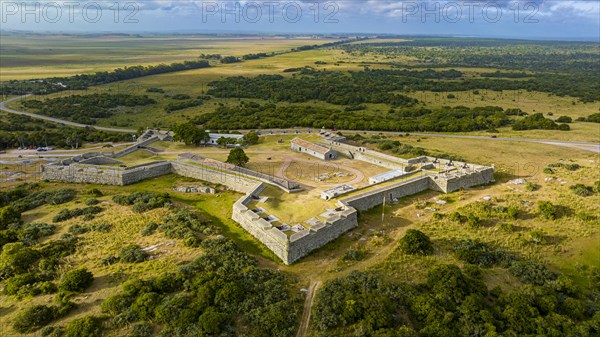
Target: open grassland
39 56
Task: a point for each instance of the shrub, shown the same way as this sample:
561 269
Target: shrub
150 228
79 229
212 321
29 233
564 119
92 202
9 215
66 214
416 242
355 254
89 326
547 210
548 170
33 318
532 187
532 272
143 201
582 190
16 283
133 254
479 253
76 280
107 261
95 192
512 212
141 329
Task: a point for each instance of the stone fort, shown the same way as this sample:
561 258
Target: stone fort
422 173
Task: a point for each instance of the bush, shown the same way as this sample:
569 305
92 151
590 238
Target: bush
532 187
33 318
564 119
143 201
150 229
547 210
582 190
9 215
479 253
79 229
95 192
89 326
548 170
141 329
92 202
76 280
132 254
66 214
532 272
355 254
416 242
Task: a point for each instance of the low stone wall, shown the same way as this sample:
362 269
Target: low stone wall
83 174
134 174
233 181
370 199
284 184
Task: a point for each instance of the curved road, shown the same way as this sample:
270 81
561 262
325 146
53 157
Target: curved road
585 146
56 120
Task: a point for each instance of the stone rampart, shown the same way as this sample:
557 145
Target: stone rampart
233 181
370 199
135 147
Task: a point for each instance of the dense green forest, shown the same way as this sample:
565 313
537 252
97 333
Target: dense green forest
387 85
256 116
85 109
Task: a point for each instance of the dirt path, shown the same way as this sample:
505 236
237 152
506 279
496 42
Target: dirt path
359 176
308 303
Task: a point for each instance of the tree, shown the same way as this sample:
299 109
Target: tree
237 157
416 243
190 134
76 280
251 138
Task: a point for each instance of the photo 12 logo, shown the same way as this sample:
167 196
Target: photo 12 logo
69 11
269 11
469 11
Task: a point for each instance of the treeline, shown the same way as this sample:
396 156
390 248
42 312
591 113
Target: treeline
24 131
331 87
449 119
538 121
86 109
81 82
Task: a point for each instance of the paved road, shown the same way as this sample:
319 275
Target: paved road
56 120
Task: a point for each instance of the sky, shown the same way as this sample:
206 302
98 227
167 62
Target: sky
531 19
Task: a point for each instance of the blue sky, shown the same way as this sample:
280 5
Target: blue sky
519 18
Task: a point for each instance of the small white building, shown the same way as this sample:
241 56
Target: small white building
315 150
